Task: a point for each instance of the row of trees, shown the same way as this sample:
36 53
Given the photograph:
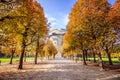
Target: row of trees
93 27
23 29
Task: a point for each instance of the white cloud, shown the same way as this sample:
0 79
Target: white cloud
66 19
57 23
50 18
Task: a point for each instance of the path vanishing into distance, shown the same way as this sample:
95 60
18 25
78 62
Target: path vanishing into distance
58 69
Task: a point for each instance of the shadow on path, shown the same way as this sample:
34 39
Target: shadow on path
60 69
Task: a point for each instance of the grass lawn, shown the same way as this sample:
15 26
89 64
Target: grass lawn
114 60
3 60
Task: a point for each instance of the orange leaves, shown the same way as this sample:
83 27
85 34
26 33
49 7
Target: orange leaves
114 14
87 23
50 49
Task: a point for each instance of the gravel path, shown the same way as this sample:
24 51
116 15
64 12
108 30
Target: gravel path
57 70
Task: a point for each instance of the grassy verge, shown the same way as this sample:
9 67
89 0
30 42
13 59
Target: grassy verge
3 60
114 60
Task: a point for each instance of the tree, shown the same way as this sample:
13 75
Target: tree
8 6
29 22
114 18
114 15
9 42
87 24
50 49
39 49
33 14
12 45
41 31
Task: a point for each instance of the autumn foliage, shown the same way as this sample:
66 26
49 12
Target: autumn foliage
92 28
26 23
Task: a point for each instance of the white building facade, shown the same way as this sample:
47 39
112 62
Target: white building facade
56 37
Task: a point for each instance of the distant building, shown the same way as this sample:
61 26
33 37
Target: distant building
56 37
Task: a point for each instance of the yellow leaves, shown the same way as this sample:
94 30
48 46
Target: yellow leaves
114 14
87 24
50 49
114 55
27 19
5 9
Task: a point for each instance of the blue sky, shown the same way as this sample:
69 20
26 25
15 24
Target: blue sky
57 11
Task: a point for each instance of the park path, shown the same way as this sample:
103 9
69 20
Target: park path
60 69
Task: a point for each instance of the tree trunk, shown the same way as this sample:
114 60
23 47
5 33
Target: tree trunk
86 55
25 57
109 56
100 61
70 57
94 57
0 48
12 54
48 57
35 61
37 51
20 66
53 56
84 61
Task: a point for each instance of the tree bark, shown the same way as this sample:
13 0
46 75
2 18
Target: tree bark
48 57
35 61
84 61
53 56
25 57
37 51
109 56
86 55
12 54
20 66
100 61
0 48
94 57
